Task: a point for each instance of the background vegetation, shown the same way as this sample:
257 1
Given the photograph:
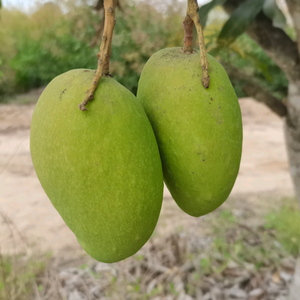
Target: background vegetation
54 39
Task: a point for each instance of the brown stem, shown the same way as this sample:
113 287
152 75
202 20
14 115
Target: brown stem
106 66
192 12
188 26
105 51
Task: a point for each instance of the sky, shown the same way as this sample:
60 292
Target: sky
25 4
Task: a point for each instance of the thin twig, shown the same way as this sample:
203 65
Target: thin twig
192 12
105 51
10 224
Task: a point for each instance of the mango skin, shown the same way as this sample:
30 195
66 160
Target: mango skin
100 168
198 130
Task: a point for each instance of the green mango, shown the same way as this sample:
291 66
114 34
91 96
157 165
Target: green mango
100 168
198 130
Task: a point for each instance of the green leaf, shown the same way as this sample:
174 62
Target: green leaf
260 66
205 9
0 4
272 11
239 20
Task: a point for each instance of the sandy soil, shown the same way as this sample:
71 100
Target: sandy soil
23 203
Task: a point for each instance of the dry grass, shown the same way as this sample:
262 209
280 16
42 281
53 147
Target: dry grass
234 259
18 269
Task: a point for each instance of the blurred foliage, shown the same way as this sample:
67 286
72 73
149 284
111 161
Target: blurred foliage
245 54
286 222
243 15
35 48
38 47
243 244
239 20
205 9
17 274
229 44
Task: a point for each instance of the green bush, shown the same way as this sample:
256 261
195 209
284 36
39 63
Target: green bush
36 48
54 43
38 61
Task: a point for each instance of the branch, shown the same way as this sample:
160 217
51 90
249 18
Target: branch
294 9
255 90
192 12
105 51
100 5
274 41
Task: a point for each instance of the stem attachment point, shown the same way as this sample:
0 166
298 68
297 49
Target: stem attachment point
105 52
192 14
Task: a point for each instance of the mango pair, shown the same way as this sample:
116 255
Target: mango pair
103 169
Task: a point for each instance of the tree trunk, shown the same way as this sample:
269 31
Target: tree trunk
292 135
295 286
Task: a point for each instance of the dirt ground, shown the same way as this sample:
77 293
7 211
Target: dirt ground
24 205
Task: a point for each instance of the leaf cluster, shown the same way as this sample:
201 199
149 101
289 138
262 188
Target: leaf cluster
243 16
228 42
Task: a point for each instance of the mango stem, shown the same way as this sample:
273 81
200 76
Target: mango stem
105 51
192 13
188 26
